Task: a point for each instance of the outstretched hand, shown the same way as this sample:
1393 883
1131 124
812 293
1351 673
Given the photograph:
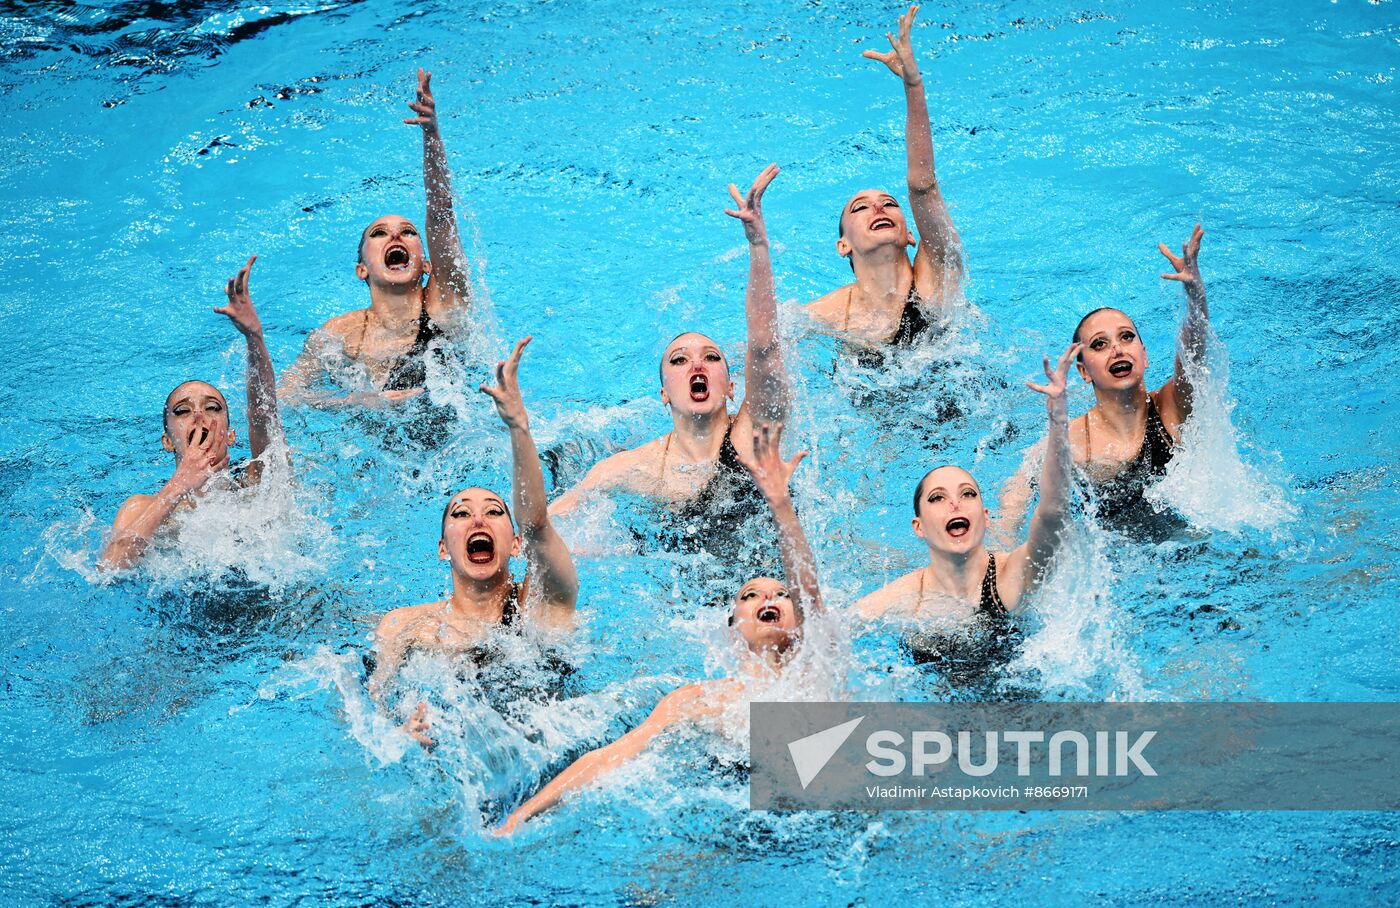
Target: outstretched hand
1186 270
749 208
1057 386
506 393
423 105
770 472
240 302
900 59
418 726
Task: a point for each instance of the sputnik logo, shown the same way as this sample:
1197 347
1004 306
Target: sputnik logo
811 754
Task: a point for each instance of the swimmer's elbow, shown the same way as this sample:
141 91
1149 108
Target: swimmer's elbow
121 554
922 182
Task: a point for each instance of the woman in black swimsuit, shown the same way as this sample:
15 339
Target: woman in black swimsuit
478 540
390 338
891 298
1125 441
964 586
695 470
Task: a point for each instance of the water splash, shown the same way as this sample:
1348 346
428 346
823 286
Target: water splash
1209 482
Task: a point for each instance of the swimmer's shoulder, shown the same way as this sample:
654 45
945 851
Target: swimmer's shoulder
633 470
396 622
828 311
340 327
131 509
900 595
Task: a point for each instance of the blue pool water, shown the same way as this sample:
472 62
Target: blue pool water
186 739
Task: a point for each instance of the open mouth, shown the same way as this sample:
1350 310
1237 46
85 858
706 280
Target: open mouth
481 548
957 527
882 224
769 614
198 435
699 387
1121 368
396 258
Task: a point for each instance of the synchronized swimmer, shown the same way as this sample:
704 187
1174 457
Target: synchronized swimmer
389 339
714 466
891 299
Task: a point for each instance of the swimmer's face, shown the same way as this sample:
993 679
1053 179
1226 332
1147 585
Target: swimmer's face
766 616
870 220
951 516
391 253
477 536
1113 357
695 377
194 412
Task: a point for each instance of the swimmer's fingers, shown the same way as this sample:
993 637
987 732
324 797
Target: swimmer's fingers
760 184
512 365
796 459
889 58
241 285
738 210
1192 247
418 727
1177 263
1066 358
906 22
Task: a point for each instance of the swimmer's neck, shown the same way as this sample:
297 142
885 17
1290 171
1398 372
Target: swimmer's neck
697 438
883 276
1123 412
483 600
956 574
766 663
395 307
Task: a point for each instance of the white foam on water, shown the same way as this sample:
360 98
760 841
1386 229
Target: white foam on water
1209 482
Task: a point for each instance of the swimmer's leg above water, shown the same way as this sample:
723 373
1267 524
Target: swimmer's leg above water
197 432
478 540
1130 434
677 468
890 294
768 615
389 338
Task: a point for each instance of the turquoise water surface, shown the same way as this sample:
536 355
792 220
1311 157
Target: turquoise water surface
199 733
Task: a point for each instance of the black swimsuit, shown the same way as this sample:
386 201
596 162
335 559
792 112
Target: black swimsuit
409 371
913 324
974 656
1118 502
717 519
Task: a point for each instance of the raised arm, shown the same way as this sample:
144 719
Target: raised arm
1192 340
772 475
766 389
677 706
551 567
1015 500
264 422
1028 562
939 245
449 283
